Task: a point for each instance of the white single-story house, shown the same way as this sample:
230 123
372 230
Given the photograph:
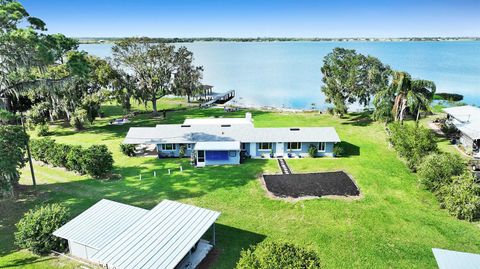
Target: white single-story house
222 141
116 235
466 120
448 259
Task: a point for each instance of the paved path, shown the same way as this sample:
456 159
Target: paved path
284 167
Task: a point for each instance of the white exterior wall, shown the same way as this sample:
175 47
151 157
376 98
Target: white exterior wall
81 251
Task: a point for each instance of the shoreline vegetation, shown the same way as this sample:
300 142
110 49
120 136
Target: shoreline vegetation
100 40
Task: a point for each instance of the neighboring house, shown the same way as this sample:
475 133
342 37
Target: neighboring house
466 120
121 236
222 141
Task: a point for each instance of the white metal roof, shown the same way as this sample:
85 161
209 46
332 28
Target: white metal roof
448 259
160 239
218 145
178 133
466 119
101 223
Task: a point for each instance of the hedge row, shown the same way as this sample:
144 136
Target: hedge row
95 161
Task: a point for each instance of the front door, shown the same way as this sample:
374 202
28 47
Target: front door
201 158
279 149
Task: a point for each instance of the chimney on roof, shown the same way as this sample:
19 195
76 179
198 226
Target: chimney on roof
248 116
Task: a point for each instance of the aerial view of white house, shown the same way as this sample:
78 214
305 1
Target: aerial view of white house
225 140
466 119
117 235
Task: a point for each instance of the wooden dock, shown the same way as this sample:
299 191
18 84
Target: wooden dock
218 98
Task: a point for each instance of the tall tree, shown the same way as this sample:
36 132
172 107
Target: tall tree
414 94
153 67
187 75
349 77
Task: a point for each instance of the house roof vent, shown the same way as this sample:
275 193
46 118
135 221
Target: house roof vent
294 129
185 126
226 125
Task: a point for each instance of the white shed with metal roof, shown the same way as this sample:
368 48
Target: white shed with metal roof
122 236
449 259
97 226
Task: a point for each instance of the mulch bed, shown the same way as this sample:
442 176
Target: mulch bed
312 184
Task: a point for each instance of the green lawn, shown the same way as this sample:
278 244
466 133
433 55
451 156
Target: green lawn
395 224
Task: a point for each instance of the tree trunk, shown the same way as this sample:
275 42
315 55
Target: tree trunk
402 110
418 116
154 105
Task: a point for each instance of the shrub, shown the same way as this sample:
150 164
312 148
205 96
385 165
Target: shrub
448 129
128 149
36 227
312 151
438 168
412 142
12 151
75 159
41 149
78 119
278 255
59 155
97 161
461 197
338 150
182 150
42 129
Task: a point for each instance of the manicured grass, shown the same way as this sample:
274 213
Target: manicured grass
395 224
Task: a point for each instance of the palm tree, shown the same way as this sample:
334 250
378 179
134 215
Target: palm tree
412 93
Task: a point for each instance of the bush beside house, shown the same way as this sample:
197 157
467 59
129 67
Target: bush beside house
461 197
34 230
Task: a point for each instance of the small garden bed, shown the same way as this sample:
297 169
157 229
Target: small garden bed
311 185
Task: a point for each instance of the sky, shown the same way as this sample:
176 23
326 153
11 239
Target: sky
260 18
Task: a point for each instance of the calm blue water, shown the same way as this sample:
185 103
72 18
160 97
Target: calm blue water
287 74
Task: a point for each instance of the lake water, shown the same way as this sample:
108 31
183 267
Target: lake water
287 74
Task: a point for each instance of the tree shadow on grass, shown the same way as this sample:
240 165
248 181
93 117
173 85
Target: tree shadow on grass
349 149
18 263
229 242
359 119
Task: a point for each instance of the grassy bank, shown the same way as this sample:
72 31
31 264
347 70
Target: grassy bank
395 224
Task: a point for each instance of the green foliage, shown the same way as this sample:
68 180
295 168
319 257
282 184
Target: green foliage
12 151
312 151
97 161
413 143
7 117
437 169
128 149
461 197
338 150
182 150
41 149
78 119
350 77
75 159
34 230
450 97
272 255
42 129
448 129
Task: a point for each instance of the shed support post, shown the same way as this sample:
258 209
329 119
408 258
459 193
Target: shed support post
213 234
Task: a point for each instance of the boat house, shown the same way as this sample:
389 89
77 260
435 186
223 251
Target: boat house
116 235
466 119
226 140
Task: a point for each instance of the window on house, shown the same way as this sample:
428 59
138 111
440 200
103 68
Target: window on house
189 146
232 153
168 146
294 145
264 146
321 146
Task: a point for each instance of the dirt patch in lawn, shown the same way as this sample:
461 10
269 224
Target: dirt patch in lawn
311 185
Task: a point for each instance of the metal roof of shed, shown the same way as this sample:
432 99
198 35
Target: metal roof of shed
448 259
218 145
467 119
160 239
100 224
